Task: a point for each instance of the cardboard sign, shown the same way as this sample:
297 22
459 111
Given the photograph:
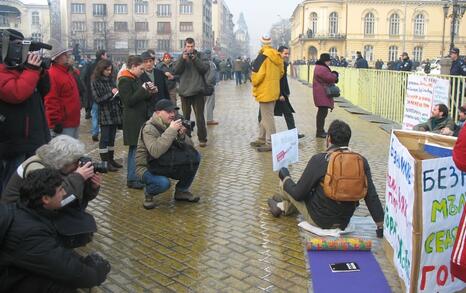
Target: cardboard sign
422 94
284 148
443 199
399 207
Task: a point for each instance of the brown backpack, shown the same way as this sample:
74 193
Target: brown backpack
345 179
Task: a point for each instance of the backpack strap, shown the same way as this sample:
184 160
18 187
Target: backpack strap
22 171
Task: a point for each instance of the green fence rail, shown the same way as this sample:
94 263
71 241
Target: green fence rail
381 92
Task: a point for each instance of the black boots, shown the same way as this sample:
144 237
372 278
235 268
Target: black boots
112 161
105 158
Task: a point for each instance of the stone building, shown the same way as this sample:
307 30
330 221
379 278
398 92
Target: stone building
380 29
242 38
31 19
222 27
131 27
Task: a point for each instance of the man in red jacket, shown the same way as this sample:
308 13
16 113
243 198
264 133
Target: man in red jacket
62 103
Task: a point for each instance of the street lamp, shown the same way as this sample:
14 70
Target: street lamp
445 14
457 13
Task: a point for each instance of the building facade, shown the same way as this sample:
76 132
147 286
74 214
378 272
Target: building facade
32 20
130 27
223 29
380 29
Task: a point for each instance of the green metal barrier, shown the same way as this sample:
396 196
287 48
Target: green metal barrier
383 92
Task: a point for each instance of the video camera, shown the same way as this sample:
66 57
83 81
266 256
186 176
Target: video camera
13 53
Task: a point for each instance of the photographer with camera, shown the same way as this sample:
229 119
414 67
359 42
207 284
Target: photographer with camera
62 103
23 84
32 257
193 86
165 151
65 154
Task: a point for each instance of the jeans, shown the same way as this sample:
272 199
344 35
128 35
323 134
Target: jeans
131 176
107 136
238 77
8 167
95 119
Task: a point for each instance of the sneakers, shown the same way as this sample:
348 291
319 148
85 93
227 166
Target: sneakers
203 144
149 202
212 122
274 209
95 137
264 148
300 135
185 196
257 143
135 184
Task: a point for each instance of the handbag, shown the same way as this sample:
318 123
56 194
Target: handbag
332 91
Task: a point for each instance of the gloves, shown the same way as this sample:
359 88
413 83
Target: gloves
283 173
58 128
379 232
101 266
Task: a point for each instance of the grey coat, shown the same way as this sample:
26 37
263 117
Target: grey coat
191 72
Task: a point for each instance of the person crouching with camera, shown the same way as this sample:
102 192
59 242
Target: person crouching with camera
80 181
165 151
32 257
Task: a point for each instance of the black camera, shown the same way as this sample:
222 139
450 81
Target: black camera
191 55
98 167
13 53
188 124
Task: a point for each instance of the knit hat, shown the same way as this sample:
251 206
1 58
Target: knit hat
57 49
167 56
266 39
146 55
324 57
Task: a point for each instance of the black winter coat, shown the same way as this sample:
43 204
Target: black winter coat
160 83
285 106
31 247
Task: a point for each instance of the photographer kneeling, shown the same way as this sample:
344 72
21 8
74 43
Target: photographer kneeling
64 154
166 151
32 257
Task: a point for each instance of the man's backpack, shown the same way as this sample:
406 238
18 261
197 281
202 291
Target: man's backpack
345 179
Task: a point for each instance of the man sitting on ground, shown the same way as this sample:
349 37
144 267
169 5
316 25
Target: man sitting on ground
166 151
439 122
308 195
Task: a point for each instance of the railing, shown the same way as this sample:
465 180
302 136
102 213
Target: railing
329 36
382 92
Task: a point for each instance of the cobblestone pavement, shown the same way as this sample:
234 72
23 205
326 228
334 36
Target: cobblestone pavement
228 242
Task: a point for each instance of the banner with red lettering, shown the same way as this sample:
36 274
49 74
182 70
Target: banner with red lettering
399 196
443 199
284 149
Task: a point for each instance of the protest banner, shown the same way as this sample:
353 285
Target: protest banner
424 200
284 148
422 94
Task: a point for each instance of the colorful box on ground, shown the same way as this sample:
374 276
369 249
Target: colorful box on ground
425 196
352 243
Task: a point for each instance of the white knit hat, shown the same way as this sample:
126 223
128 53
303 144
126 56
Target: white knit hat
57 49
266 39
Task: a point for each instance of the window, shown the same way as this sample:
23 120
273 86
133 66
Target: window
142 44
333 23
394 25
141 26
333 52
419 25
314 22
186 8
120 26
369 24
163 28
37 37
163 10
392 53
369 52
80 42
4 21
181 44
417 54
186 26
35 18
120 9
140 7
121 44
78 26
99 9
163 45
99 44
99 26
78 8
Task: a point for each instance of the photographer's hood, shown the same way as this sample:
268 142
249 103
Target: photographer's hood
57 49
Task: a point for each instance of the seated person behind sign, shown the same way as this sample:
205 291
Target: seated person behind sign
166 151
309 198
439 122
32 258
63 154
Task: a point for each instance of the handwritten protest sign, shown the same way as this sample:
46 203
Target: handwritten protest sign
443 199
422 93
284 148
399 207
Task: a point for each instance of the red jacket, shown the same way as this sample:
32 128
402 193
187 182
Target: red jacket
323 77
17 86
62 103
459 151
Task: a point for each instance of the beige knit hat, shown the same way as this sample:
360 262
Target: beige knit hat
57 49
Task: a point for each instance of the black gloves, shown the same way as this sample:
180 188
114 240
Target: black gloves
101 266
379 232
283 173
58 128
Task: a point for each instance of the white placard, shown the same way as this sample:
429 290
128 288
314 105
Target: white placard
443 199
284 148
422 93
399 197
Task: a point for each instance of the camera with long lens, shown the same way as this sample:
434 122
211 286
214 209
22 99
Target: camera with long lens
98 167
13 53
188 124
